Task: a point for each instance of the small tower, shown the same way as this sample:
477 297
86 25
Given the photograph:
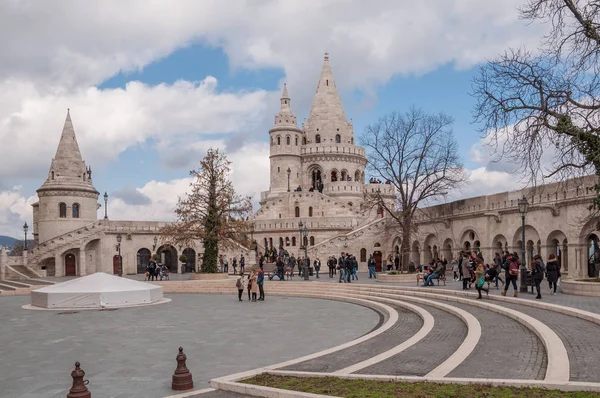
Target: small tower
67 199
286 147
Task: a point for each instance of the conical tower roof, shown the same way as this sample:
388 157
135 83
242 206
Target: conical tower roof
68 168
327 110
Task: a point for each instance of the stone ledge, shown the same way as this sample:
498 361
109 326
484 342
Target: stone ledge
398 278
578 288
210 277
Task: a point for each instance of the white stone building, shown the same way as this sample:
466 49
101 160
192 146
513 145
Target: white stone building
322 158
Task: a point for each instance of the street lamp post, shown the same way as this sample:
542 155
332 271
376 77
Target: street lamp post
119 238
303 239
523 207
289 171
105 205
25 228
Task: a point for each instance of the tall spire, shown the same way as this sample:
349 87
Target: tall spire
285 115
327 111
68 161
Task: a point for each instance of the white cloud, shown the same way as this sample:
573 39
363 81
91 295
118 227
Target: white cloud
15 210
109 121
249 175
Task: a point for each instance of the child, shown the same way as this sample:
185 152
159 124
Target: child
240 285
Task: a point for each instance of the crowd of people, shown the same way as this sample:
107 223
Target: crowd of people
468 267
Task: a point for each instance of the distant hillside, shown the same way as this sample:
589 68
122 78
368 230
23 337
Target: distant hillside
7 241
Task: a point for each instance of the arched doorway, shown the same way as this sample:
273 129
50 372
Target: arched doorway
593 256
316 178
168 256
70 265
116 264
190 255
378 257
143 258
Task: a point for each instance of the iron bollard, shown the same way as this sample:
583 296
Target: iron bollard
79 389
182 378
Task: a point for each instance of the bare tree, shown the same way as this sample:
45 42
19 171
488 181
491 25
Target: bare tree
416 152
211 212
548 101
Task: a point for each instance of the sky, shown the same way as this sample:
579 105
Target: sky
152 85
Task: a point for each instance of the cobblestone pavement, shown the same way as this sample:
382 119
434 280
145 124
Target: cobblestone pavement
499 353
408 324
444 339
579 336
131 352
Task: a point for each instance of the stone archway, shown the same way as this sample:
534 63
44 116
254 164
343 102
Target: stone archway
168 256
143 258
447 249
70 265
190 255
557 244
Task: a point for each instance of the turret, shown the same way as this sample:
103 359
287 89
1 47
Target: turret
67 199
286 144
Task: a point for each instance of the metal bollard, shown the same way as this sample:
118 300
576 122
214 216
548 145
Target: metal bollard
182 378
79 389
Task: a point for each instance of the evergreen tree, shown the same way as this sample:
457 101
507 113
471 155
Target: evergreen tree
211 212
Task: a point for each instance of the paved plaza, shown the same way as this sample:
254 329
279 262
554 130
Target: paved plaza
131 352
397 330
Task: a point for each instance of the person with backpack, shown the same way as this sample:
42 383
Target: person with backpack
371 265
151 269
260 280
538 274
552 272
511 267
480 278
239 284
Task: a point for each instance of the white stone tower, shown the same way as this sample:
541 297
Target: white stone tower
286 144
67 199
330 153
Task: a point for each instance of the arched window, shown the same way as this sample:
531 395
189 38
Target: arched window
287 241
280 242
334 175
363 255
62 210
338 139
75 210
53 175
357 176
293 241
310 211
318 138
271 243
297 211
352 140
288 140
312 240
266 243
278 140
344 175
303 140
296 140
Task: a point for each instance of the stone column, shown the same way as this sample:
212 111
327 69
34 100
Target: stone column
82 263
59 267
3 261
577 262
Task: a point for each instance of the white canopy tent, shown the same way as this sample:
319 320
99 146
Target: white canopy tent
97 290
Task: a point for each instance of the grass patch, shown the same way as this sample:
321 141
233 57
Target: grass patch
389 389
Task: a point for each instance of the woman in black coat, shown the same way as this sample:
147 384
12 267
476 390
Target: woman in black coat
552 272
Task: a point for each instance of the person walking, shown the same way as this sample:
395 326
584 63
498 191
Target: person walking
251 278
552 272
253 285
454 265
331 266
511 268
354 267
242 263
151 269
371 266
538 274
260 280
234 265
341 268
464 268
480 275
240 286
317 265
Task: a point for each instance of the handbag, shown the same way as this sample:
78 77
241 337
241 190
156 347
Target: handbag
480 282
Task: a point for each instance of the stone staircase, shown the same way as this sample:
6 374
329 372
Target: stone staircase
21 287
28 272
